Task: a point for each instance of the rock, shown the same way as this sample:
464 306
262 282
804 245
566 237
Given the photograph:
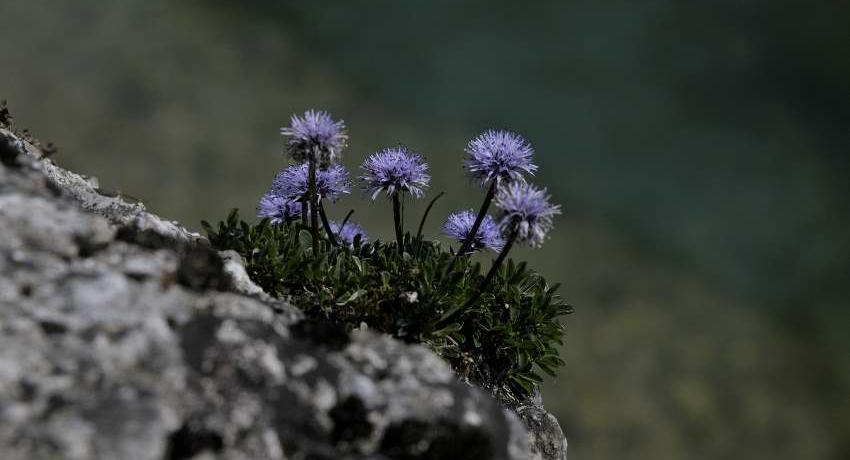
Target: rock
239 280
123 336
544 432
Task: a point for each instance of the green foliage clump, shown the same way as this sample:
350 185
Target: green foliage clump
502 339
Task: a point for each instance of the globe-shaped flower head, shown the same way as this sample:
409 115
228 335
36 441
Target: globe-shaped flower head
292 182
315 136
459 224
527 212
499 155
277 208
395 170
349 232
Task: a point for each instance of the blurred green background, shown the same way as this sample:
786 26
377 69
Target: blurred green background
700 151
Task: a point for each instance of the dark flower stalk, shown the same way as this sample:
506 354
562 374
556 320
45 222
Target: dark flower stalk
327 225
488 198
425 214
314 202
503 254
527 217
345 220
397 219
395 171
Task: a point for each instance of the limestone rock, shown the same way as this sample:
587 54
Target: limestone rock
123 336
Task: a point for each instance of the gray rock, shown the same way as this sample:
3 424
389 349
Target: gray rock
123 336
544 432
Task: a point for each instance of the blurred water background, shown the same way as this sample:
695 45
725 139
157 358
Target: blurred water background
700 151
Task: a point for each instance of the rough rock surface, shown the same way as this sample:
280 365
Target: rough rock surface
123 336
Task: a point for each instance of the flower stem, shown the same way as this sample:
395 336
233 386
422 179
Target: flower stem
345 221
314 211
470 237
304 213
496 264
458 309
397 217
425 215
327 225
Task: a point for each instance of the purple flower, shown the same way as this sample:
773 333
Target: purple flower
348 232
488 236
499 155
292 182
278 209
315 136
395 170
527 212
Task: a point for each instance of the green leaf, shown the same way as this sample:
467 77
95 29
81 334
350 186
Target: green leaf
449 329
354 296
305 239
357 263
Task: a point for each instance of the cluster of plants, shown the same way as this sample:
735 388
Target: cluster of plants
498 327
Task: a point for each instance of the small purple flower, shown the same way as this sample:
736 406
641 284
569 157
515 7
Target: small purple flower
348 232
278 209
395 170
527 212
316 136
489 235
330 183
499 155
